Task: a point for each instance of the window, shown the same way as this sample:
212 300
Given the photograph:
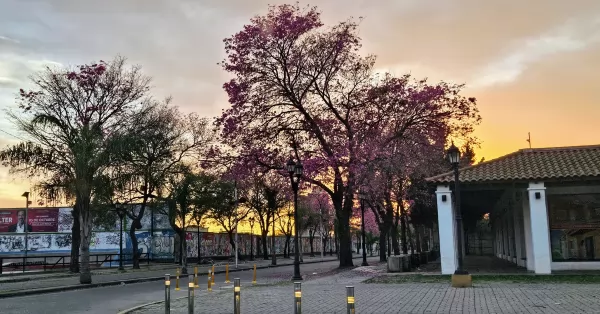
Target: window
574 227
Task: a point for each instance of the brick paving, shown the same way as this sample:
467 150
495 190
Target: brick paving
327 295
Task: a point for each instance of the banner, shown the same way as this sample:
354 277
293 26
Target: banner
38 220
43 219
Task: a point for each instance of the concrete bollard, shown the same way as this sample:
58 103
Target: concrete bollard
297 298
191 294
167 294
236 296
254 275
350 299
227 273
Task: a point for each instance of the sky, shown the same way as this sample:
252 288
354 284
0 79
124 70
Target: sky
533 65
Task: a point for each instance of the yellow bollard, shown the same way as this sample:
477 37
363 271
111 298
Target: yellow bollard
196 277
177 280
209 281
227 273
254 276
213 275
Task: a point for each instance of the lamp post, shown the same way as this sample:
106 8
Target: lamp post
26 227
251 220
362 196
121 213
295 171
454 158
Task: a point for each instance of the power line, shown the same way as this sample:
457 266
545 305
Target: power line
20 138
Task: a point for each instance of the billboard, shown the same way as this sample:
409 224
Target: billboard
38 220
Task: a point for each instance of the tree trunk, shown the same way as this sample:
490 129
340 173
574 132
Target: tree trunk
183 252
134 246
395 243
136 223
311 239
286 247
403 231
264 245
418 239
75 239
344 236
382 243
232 242
85 218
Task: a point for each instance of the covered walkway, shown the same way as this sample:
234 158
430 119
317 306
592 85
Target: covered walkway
543 207
480 265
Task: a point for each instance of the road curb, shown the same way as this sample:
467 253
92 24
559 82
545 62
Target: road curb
21 293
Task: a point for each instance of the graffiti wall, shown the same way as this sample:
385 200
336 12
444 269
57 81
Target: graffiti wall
156 238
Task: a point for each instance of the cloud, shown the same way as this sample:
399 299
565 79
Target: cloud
571 37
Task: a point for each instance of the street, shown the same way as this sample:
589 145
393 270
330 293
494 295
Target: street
117 298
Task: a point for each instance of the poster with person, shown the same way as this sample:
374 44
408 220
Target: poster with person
31 220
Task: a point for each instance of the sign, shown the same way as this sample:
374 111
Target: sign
38 220
43 219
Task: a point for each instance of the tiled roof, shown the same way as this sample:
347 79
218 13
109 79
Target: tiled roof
532 164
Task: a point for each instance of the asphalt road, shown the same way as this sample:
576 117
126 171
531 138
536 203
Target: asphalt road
117 298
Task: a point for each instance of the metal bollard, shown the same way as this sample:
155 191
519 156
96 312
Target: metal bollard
191 294
350 299
254 275
209 281
213 274
167 294
297 298
196 277
227 273
236 296
177 280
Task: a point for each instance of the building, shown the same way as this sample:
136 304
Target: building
543 206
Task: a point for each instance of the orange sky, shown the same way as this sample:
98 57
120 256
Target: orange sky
534 65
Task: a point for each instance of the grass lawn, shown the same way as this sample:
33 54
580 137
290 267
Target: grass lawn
525 278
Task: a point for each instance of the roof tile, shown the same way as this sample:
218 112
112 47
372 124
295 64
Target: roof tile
532 164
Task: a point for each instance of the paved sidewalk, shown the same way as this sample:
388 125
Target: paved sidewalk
10 285
327 295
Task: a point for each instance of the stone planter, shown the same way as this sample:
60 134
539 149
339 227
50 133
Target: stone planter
394 264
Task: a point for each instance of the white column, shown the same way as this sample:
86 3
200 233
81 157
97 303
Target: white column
527 232
446 224
518 218
540 233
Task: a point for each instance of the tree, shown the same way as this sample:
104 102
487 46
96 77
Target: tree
305 92
264 196
70 118
225 209
286 226
160 140
185 194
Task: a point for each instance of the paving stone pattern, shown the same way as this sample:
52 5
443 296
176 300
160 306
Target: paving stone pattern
327 295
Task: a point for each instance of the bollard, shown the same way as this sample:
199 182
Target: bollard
297 298
209 281
191 294
236 296
254 275
350 299
177 280
213 274
227 273
167 294
196 277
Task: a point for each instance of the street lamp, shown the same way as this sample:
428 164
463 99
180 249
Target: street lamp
121 213
26 227
251 220
362 196
295 171
454 158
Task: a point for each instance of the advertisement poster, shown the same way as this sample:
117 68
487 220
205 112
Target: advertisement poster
38 220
